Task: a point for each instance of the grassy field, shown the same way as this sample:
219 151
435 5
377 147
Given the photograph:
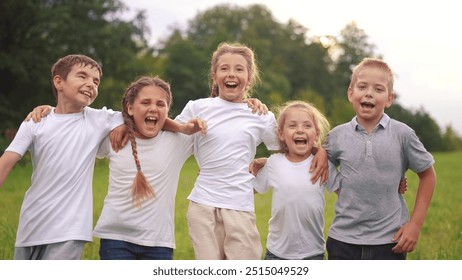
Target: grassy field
440 238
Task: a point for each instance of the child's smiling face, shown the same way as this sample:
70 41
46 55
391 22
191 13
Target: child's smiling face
149 111
370 95
232 77
78 89
299 133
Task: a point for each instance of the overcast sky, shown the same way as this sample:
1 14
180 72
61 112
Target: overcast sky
420 40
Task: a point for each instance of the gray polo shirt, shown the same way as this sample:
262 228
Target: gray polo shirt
369 209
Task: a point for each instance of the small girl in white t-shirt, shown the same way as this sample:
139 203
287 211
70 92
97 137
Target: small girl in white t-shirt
297 215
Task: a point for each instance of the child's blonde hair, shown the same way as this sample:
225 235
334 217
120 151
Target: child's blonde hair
372 62
321 124
141 190
235 48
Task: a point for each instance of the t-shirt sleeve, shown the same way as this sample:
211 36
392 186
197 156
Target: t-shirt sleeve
104 148
22 140
115 118
334 180
186 114
270 137
329 145
261 182
419 159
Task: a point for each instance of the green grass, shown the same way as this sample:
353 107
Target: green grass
440 238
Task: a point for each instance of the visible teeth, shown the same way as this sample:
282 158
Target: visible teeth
86 93
151 121
231 84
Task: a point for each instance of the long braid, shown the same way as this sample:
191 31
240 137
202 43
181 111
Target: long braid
141 189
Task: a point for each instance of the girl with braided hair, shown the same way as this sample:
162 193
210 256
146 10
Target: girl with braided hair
137 219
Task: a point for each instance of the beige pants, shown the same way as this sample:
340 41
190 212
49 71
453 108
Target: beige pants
219 234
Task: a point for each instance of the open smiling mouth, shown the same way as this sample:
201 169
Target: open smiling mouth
86 93
150 121
231 84
367 105
300 141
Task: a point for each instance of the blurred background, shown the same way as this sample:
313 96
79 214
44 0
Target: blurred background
294 63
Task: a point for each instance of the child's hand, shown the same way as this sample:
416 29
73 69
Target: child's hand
193 126
407 236
256 106
403 186
256 165
38 113
119 137
320 166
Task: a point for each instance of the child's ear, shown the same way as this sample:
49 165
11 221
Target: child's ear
391 97
349 93
130 109
57 82
280 134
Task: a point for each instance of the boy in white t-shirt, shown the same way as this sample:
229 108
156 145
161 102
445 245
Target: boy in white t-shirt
56 215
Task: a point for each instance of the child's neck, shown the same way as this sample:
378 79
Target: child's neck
297 158
68 108
368 125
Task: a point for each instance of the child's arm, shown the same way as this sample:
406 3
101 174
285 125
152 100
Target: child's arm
7 161
38 113
189 128
256 165
320 165
119 137
408 234
256 105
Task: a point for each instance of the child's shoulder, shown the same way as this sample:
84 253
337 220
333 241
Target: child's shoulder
104 110
400 128
342 127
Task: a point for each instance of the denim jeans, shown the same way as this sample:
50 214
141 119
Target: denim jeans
271 256
121 250
338 250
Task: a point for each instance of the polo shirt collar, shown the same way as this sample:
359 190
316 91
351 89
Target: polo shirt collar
384 121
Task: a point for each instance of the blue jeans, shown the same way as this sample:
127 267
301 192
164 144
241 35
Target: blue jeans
271 256
338 250
121 250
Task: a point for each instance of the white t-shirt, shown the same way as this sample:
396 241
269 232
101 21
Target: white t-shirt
297 215
58 206
161 159
224 154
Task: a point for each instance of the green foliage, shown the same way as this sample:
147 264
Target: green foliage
34 34
293 65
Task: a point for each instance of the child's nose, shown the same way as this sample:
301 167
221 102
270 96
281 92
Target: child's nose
153 108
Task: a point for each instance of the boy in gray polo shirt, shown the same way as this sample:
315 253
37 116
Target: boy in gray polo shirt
373 152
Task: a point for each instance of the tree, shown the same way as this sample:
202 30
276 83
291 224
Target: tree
288 61
34 34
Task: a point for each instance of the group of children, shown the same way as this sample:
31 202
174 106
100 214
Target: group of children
363 162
